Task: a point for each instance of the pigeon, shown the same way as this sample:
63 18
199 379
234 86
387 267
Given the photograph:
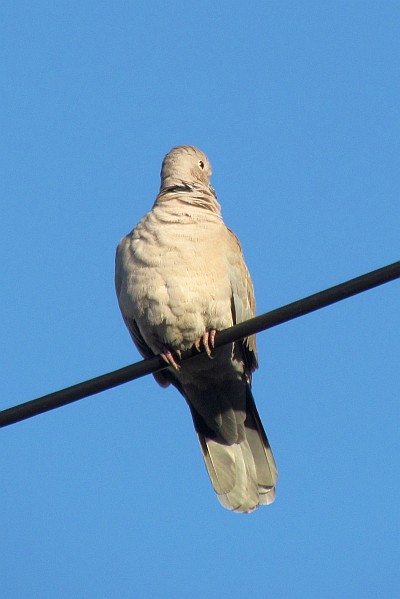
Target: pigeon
180 278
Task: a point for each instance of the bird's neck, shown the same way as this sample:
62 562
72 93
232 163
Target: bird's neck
190 194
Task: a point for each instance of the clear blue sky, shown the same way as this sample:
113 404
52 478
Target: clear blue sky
297 106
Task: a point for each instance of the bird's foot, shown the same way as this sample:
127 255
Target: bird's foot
206 342
171 357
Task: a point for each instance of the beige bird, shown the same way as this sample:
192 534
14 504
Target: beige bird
180 277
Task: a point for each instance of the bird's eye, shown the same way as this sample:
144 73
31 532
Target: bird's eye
201 165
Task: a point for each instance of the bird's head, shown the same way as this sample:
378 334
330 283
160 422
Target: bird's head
187 165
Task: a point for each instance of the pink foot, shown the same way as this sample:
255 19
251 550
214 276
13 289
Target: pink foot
206 342
169 357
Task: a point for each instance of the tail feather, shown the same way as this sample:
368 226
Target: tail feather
243 474
267 473
232 473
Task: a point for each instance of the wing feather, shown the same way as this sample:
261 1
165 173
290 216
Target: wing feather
243 300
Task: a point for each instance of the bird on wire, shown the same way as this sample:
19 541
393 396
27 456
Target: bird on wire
180 277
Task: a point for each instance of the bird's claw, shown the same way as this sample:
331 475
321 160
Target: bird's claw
206 342
169 357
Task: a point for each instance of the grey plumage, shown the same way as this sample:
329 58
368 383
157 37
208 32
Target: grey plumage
180 275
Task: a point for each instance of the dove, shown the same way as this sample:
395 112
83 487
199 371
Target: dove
180 277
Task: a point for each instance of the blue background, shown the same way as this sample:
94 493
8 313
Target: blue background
297 106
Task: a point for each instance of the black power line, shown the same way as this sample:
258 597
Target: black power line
254 325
